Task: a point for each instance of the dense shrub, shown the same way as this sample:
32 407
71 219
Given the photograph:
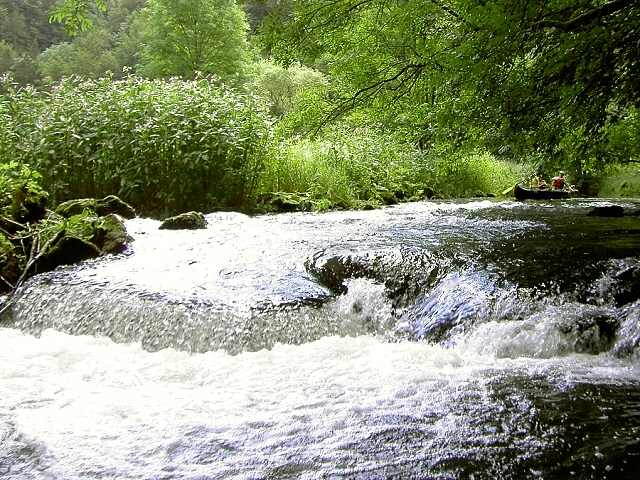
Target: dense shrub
163 145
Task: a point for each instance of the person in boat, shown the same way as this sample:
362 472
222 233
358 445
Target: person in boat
537 182
559 182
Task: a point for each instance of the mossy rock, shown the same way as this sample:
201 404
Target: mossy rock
185 221
67 250
106 206
286 202
388 198
110 235
428 192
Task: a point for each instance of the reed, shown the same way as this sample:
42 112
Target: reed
163 145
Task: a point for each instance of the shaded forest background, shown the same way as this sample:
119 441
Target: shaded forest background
316 104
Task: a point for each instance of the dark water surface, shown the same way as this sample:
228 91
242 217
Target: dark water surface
445 340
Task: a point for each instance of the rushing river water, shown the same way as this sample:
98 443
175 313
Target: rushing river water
495 340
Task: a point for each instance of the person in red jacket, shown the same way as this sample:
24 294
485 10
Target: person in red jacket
558 183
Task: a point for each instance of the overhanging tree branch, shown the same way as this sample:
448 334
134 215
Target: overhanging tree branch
587 17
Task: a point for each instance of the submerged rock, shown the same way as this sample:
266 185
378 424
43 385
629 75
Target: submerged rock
185 221
607 211
106 206
404 273
593 331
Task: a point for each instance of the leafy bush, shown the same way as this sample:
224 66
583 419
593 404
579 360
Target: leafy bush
620 182
163 145
17 180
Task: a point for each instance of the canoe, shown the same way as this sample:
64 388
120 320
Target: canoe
522 193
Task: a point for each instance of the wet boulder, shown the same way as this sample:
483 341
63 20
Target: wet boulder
628 284
106 206
110 234
593 331
628 337
67 250
606 211
185 221
459 300
405 273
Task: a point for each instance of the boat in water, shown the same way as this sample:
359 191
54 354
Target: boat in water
522 193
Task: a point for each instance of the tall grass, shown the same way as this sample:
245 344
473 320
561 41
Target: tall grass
163 145
345 168
352 168
467 173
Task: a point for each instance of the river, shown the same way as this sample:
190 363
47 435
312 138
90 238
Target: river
444 340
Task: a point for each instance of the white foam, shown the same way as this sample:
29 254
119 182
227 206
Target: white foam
88 408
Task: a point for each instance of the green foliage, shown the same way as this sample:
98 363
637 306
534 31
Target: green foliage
7 56
6 249
282 87
111 45
75 14
622 137
187 37
24 25
90 58
620 182
161 145
344 168
367 167
463 173
16 178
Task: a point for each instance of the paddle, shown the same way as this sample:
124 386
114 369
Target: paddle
508 190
